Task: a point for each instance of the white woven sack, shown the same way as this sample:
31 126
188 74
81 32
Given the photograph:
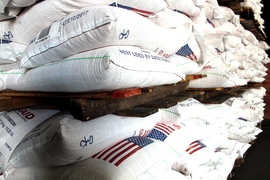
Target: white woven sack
254 96
102 69
225 164
217 141
219 15
21 3
214 3
100 26
256 6
3 4
175 20
263 45
217 77
123 160
171 174
43 14
15 125
248 138
251 112
235 102
199 2
76 140
169 18
203 19
9 13
222 114
259 92
183 110
238 129
180 134
184 6
214 78
185 65
217 168
191 50
235 148
162 170
197 153
10 52
2 85
208 171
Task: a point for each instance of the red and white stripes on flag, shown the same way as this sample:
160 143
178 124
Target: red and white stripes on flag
144 132
166 129
122 150
195 146
187 52
161 131
138 11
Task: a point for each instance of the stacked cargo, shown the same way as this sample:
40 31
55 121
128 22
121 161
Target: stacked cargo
87 46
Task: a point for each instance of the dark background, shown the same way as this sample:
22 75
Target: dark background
266 16
256 165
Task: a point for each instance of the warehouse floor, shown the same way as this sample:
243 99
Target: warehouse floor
256 165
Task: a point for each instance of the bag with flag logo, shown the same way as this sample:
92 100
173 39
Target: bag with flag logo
180 135
96 27
198 153
191 50
123 160
72 140
103 69
15 125
44 13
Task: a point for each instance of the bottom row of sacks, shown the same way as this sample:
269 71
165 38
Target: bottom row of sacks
190 140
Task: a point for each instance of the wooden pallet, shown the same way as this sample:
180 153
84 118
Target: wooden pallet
86 106
213 95
139 105
253 26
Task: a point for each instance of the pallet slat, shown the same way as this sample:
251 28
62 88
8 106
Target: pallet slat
137 111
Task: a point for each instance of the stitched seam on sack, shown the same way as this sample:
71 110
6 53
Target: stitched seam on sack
179 64
11 72
228 78
170 112
145 70
75 59
86 31
217 74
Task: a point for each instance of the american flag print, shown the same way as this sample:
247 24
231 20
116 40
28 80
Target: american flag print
194 147
138 11
122 150
210 22
186 52
144 132
217 150
182 12
161 131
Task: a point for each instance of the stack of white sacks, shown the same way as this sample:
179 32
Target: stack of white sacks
82 46
102 47
190 140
